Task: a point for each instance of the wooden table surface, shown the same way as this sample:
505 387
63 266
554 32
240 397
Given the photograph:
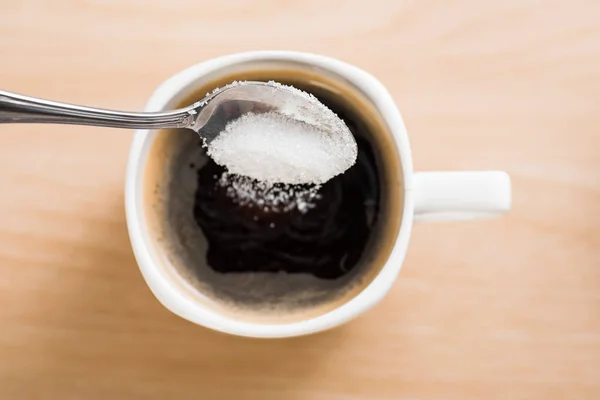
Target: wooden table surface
504 309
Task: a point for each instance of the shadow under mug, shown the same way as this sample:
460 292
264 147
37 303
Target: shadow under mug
426 196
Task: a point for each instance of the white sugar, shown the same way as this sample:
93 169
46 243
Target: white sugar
268 197
277 160
303 142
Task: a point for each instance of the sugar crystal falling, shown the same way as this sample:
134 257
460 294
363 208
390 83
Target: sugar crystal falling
277 159
278 197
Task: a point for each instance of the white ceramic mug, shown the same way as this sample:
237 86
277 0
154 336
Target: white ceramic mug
427 196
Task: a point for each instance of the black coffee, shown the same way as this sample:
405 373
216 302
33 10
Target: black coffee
275 266
327 241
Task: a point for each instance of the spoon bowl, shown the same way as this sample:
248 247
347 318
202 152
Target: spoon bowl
208 117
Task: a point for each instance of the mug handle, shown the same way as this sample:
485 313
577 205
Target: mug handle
451 196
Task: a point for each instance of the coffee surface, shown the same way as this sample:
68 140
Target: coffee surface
326 241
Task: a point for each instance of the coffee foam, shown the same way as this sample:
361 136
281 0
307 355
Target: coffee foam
258 297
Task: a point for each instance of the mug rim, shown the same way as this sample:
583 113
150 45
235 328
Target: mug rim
180 305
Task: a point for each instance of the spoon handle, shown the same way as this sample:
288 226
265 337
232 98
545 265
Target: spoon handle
16 108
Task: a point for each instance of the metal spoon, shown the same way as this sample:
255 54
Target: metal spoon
207 117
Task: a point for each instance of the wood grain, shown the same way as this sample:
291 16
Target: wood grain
506 309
